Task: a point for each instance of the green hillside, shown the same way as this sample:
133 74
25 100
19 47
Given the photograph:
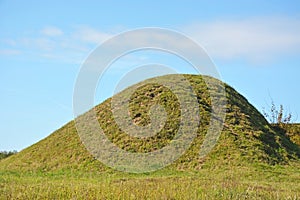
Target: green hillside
251 160
293 131
246 140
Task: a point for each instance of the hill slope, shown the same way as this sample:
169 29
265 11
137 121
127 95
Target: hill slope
247 137
293 131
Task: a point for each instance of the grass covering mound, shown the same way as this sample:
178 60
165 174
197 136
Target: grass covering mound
247 139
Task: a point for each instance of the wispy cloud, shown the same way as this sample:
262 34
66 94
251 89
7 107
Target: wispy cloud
53 43
9 52
51 31
39 43
9 42
254 39
90 35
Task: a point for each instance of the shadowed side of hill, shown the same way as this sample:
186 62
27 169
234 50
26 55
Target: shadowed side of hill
247 138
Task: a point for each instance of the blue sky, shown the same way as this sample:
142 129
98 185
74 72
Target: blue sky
255 46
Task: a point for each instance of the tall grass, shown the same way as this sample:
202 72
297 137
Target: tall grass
235 183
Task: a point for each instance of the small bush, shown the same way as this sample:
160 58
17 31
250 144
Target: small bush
5 154
277 116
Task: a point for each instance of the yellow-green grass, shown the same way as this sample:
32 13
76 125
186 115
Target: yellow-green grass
264 182
251 160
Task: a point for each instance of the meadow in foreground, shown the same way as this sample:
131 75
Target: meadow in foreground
264 182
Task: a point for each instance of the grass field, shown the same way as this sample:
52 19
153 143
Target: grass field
259 182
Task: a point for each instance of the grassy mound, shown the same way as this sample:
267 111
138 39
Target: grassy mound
293 131
246 140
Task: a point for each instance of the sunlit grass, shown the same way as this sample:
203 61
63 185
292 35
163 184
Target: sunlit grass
251 160
231 183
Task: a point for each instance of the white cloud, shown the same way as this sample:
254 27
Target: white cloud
9 52
39 43
90 35
9 42
254 39
51 31
72 47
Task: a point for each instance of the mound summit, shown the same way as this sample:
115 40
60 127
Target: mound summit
247 138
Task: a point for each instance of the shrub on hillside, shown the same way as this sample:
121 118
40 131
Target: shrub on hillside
5 154
277 116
